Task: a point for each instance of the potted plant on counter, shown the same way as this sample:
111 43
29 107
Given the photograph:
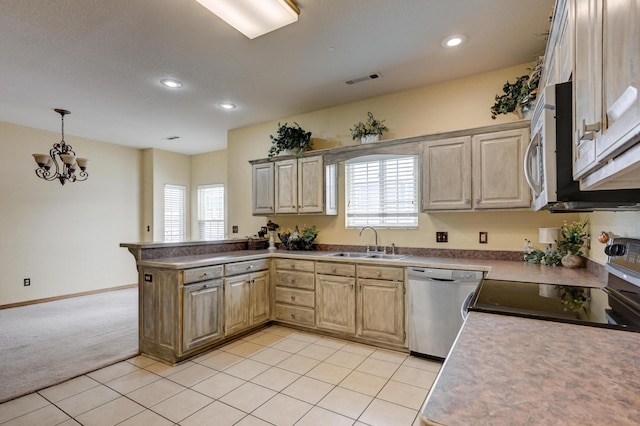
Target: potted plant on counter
296 240
573 238
290 140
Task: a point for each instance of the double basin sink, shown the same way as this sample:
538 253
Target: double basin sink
360 255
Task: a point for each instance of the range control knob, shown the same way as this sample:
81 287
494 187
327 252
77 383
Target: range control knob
615 250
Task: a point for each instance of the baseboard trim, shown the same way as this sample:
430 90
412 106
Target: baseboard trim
67 296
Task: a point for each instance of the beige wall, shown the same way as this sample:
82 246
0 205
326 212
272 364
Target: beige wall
442 107
622 224
66 238
206 169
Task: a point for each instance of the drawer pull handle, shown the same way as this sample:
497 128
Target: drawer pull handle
334 270
293 298
379 273
293 315
206 274
292 280
293 266
249 267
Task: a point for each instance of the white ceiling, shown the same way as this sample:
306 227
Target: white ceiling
103 60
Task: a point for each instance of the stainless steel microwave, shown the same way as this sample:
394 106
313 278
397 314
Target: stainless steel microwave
548 161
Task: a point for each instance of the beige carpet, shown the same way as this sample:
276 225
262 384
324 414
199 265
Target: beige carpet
48 343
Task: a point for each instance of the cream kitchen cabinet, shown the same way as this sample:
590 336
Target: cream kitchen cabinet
483 171
295 291
180 311
263 189
558 60
380 304
299 185
336 297
247 295
606 84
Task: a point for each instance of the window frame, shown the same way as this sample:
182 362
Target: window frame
389 188
221 222
178 209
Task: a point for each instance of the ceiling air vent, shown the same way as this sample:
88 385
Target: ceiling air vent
172 138
365 78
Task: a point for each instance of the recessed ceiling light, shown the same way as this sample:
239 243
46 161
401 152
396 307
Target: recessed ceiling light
454 40
170 83
226 105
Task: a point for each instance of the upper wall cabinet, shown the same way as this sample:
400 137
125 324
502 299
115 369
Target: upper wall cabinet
298 186
607 102
262 194
558 61
478 172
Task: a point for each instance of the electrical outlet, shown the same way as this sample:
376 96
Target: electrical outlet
483 238
27 282
442 237
234 229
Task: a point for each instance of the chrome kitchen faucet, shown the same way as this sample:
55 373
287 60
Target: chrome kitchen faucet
375 250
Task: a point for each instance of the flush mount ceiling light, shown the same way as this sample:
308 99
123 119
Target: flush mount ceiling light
170 83
226 106
454 40
63 158
254 18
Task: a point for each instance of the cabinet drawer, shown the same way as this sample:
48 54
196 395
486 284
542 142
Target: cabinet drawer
342 269
298 315
295 265
244 267
295 297
295 279
381 273
201 274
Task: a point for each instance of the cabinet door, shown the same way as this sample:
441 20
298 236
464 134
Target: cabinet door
498 170
446 174
311 185
336 303
587 84
260 297
263 189
237 304
621 76
286 186
202 314
380 310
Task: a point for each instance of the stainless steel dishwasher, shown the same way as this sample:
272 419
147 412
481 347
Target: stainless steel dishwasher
435 300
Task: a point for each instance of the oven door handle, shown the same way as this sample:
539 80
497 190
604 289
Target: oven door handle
464 309
527 166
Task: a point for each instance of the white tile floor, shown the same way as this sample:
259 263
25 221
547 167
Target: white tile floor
276 376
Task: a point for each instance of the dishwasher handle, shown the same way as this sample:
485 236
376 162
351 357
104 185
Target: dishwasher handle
464 309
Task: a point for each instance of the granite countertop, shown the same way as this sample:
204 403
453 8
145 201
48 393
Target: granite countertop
506 370
495 269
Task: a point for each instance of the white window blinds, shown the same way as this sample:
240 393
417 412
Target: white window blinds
382 191
211 212
174 207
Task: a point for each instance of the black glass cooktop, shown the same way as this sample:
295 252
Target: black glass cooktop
579 305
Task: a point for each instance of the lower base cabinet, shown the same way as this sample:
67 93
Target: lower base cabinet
202 307
336 303
246 296
380 306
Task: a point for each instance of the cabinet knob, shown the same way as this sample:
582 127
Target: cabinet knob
293 315
206 274
379 274
351 286
249 267
292 280
293 298
293 266
467 201
477 200
333 270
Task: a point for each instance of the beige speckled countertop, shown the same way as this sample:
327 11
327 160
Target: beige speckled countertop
506 370
496 269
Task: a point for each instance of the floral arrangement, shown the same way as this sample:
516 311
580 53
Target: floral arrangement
370 127
574 298
521 94
574 237
296 240
549 256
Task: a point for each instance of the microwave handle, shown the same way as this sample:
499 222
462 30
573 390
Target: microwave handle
527 169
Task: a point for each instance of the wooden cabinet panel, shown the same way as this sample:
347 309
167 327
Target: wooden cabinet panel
446 174
329 268
237 304
498 170
335 303
381 310
246 267
295 297
381 272
304 280
263 201
202 274
295 314
259 295
295 264
202 314
311 185
286 186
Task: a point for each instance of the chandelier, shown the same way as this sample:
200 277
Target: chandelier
63 158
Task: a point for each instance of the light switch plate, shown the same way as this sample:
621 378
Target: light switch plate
483 237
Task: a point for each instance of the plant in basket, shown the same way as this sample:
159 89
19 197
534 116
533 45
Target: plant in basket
297 240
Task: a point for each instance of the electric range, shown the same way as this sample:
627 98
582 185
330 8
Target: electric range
617 305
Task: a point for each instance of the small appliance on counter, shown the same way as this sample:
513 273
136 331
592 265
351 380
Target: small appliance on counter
617 305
